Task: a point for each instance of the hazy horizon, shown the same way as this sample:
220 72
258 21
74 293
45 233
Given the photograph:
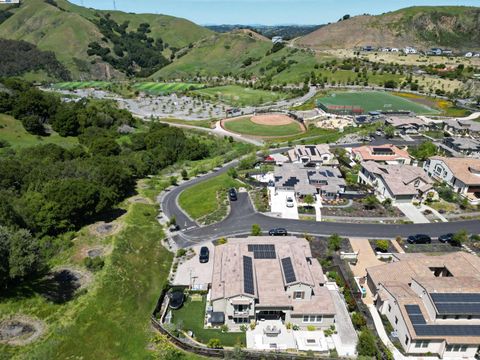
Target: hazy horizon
265 12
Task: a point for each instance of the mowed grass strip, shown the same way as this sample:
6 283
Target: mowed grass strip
201 199
114 323
375 100
12 131
190 317
240 96
73 85
165 88
248 127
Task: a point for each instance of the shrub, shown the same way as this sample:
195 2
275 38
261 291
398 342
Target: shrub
214 344
382 245
243 328
358 320
459 238
181 252
366 345
184 174
252 325
334 242
224 328
222 241
311 328
173 181
256 230
94 264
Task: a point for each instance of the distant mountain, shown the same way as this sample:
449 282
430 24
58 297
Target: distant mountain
455 27
288 32
67 30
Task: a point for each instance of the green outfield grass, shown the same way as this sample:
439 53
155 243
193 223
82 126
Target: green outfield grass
240 96
73 85
375 100
165 88
16 136
248 127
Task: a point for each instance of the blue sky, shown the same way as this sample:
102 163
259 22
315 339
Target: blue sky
267 12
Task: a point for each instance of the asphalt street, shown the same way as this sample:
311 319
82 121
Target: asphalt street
242 216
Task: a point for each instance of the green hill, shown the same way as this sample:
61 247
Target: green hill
456 27
215 55
67 30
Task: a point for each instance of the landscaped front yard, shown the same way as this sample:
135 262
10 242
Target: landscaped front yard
190 317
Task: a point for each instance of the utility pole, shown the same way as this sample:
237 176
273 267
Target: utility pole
114 5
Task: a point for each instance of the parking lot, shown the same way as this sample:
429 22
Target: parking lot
194 274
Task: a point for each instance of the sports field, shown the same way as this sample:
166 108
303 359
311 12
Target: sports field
375 101
165 88
73 85
259 126
240 96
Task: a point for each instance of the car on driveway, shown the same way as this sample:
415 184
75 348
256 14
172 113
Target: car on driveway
419 239
204 255
278 232
446 238
232 194
290 202
174 227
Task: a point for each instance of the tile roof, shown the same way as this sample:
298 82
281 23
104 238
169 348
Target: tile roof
367 152
465 169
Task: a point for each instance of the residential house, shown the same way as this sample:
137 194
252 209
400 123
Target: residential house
410 50
461 174
461 146
432 302
462 127
407 124
384 154
400 183
265 278
311 155
325 181
277 159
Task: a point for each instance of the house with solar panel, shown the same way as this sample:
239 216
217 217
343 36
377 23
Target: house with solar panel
264 278
325 181
312 155
432 302
383 154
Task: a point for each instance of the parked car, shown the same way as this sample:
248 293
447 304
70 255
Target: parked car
271 183
446 238
204 255
278 232
419 239
290 202
174 227
232 194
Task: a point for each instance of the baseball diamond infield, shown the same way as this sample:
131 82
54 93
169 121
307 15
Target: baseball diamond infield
264 125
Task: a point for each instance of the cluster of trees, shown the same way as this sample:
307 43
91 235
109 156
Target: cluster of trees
134 52
47 192
20 57
36 109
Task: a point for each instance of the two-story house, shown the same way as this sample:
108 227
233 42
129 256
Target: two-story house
312 155
461 146
432 302
384 154
461 174
265 278
400 183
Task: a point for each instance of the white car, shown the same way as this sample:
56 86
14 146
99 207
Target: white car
290 203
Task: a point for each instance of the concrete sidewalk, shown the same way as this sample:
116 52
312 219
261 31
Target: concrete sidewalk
413 213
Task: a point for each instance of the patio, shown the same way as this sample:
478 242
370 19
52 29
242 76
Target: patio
270 335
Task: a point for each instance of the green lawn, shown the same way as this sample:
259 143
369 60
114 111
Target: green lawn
73 85
201 199
190 317
12 131
240 96
246 126
165 88
375 100
112 320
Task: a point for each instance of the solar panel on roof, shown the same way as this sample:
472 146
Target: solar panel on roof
458 308
288 270
262 251
248 286
455 297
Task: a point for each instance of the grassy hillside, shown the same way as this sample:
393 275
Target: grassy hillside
445 26
217 54
67 29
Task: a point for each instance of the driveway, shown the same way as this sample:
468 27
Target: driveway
194 274
413 213
278 202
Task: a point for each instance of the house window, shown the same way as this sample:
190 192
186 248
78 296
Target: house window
312 318
422 343
396 320
389 308
298 295
406 340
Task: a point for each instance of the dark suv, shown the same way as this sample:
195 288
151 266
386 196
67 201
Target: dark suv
278 232
232 194
419 239
204 255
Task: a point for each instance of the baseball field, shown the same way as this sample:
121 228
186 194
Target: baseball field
268 125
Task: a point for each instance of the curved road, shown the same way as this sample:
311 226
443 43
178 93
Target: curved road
243 215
